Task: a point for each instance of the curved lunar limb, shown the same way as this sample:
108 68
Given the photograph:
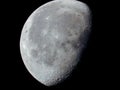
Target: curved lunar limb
53 39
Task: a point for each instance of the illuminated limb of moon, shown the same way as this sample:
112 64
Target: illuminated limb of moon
53 38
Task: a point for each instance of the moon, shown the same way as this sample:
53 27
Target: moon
53 38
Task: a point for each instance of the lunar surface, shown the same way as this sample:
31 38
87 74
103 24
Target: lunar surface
53 38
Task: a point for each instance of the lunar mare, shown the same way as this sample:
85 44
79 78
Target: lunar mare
53 39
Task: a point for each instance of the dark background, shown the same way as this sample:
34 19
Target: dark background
96 68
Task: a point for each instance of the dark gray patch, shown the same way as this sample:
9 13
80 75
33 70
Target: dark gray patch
26 31
84 37
69 33
75 44
34 53
64 45
49 59
34 34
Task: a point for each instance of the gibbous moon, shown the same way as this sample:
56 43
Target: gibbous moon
53 38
